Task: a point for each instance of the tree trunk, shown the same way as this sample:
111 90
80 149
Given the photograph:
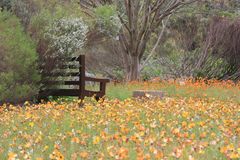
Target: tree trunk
133 73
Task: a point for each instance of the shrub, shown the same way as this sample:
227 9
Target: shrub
47 15
24 10
151 70
213 68
59 34
5 4
107 20
53 32
66 36
18 71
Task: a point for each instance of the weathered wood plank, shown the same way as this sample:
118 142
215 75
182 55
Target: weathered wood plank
96 79
63 92
61 74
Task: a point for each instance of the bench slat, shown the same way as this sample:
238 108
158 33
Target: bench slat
96 79
62 92
61 83
62 74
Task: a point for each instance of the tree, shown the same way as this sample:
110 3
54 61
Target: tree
139 19
223 41
19 77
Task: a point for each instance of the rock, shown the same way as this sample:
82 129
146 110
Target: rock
148 94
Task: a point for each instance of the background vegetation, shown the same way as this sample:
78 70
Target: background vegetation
198 40
19 76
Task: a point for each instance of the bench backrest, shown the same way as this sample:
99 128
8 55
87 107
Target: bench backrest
67 80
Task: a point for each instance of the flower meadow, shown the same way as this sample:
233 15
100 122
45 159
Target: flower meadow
151 128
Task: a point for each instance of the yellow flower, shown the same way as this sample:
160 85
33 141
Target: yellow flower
56 155
185 114
190 157
12 156
96 140
201 123
191 125
213 134
184 124
45 148
234 155
28 145
31 124
193 136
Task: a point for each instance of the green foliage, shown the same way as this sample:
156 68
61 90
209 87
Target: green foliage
186 39
18 72
213 68
107 19
5 4
41 21
105 12
151 70
181 63
24 10
118 73
67 35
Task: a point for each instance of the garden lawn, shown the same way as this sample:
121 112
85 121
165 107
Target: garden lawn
192 122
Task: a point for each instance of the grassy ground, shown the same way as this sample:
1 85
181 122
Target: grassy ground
195 121
214 89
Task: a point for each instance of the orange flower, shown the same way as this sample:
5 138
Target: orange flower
12 156
122 153
203 135
75 140
84 154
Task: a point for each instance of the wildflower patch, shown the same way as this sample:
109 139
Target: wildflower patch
145 129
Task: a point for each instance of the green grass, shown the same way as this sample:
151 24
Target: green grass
124 91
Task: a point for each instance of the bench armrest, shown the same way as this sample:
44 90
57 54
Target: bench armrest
97 79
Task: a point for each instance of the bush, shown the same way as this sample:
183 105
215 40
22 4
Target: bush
18 70
175 62
47 15
213 68
24 10
59 34
58 29
107 20
5 4
67 35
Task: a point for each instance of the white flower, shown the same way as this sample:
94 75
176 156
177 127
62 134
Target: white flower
67 35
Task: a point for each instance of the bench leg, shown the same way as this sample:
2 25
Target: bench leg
103 88
97 98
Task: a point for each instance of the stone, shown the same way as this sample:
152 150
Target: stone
148 94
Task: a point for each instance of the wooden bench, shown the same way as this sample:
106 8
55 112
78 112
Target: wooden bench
55 86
